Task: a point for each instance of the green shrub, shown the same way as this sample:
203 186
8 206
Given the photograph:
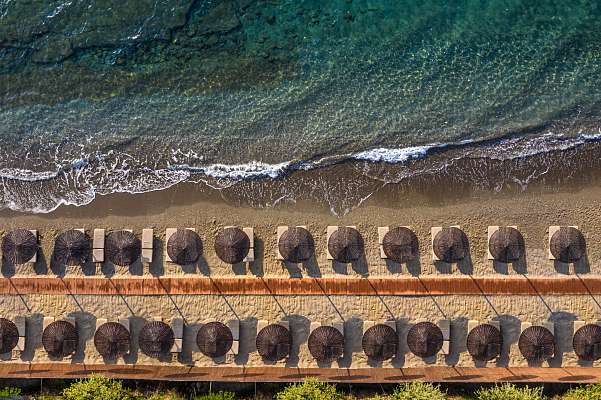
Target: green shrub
8 392
587 392
508 391
97 387
418 391
311 389
46 397
217 396
169 395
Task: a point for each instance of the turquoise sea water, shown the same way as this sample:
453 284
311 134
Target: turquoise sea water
98 97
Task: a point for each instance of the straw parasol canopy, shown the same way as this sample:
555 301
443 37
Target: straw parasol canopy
380 342
401 245
122 248
273 342
296 245
536 344
451 245
424 339
72 248
232 245
506 245
214 339
587 342
112 340
346 244
568 245
60 339
9 335
156 338
484 342
184 247
326 344
19 246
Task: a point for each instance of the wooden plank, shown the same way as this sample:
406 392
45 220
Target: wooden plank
179 372
382 286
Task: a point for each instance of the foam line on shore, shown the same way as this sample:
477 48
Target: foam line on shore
78 181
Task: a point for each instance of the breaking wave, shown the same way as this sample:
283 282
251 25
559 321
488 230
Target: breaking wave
78 181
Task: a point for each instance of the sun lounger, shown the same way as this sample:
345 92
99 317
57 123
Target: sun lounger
147 239
98 245
234 326
445 327
177 324
20 323
250 232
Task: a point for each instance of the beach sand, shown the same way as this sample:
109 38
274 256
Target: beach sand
186 206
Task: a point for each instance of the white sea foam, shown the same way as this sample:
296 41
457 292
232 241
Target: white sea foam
79 180
394 156
251 170
27 175
515 148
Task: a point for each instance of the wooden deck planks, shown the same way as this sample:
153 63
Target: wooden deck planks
279 374
409 286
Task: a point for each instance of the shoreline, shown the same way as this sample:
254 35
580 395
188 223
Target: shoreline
444 175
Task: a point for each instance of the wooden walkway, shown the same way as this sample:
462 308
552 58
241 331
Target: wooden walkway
280 374
399 286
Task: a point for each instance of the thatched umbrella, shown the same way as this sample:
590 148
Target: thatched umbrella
536 344
72 248
346 245
112 340
296 245
19 246
273 342
568 245
380 342
214 339
587 342
184 247
232 245
122 248
424 339
156 338
506 245
484 342
401 245
326 344
60 339
451 245
9 335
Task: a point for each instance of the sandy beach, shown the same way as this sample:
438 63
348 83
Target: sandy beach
184 206
187 206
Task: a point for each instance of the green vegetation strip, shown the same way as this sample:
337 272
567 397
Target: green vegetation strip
98 387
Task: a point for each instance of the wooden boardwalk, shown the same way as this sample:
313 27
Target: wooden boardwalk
233 286
280 374
388 286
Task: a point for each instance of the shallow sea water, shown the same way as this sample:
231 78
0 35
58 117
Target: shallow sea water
246 96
